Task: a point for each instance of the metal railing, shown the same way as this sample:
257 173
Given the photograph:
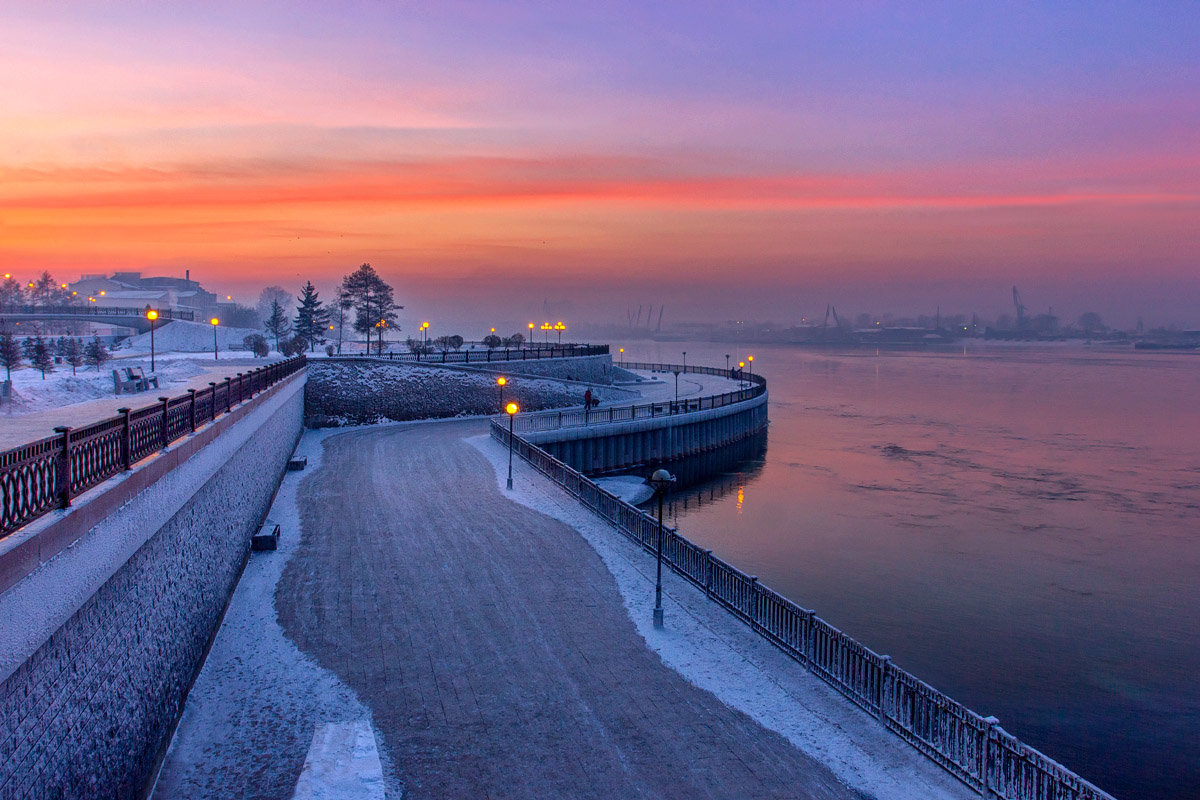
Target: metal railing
539 421
974 749
41 476
531 353
97 311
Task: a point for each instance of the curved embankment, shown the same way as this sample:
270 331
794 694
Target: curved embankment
360 391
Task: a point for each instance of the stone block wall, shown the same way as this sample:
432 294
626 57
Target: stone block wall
87 714
357 392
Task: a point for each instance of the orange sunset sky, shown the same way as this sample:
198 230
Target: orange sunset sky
725 160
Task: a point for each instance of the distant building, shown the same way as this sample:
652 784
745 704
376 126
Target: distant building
129 289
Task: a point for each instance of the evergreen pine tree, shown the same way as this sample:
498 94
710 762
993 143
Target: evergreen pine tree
42 359
73 353
277 323
10 352
95 353
371 298
312 318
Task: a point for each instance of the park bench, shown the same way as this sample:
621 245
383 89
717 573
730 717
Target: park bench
134 381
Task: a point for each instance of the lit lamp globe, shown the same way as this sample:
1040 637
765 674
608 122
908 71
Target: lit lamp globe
214 322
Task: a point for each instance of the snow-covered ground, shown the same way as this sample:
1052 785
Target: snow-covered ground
718 653
629 488
190 337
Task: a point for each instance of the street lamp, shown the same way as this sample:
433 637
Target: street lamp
751 360
622 356
511 409
661 480
547 327
531 334
424 338
501 381
741 366
685 360
380 325
214 322
727 362
151 315
558 326
673 410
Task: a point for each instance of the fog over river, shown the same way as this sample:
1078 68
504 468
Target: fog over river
1019 526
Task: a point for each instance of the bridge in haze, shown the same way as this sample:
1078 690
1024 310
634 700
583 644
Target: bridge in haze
127 317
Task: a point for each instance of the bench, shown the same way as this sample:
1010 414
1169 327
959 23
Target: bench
143 381
124 385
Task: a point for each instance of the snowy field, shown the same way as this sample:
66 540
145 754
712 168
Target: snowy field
190 337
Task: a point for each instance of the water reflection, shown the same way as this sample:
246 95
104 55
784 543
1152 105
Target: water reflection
1015 525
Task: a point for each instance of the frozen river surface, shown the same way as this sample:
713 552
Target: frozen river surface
1018 526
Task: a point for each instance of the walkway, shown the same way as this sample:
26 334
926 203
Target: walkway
492 646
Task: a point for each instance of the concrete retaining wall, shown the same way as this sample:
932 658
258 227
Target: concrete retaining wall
596 449
357 391
99 644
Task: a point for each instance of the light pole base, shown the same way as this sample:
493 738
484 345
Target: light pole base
658 618
510 483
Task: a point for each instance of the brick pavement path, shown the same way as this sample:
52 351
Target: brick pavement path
492 644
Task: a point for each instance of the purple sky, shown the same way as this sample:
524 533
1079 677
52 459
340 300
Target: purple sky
729 160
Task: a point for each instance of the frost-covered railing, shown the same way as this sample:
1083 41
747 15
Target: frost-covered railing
96 311
530 353
44 475
974 749
553 420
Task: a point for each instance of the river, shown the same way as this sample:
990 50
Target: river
1017 525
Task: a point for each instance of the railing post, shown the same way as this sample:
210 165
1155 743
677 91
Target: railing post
241 388
985 789
228 394
212 400
164 428
810 637
126 439
64 468
708 573
192 409
754 602
885 663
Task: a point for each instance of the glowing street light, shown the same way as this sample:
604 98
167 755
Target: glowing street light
511 409
741 366
751 360
501 382
424 338
151 315
622 351
547 327
558 326
661 480
214 322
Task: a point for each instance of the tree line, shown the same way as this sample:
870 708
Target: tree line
41 352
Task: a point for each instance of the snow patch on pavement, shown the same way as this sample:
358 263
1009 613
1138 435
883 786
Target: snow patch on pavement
718 653
342 764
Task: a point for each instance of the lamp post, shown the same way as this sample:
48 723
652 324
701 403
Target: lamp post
661 480
676 408
558 326
424 338
751 360
547 327
727 362
214 322
622 356
685 360
511 409
501 381
151 315
531 334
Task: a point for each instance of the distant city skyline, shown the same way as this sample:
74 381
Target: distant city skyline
725 160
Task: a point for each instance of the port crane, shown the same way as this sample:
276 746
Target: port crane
830 309
1020 308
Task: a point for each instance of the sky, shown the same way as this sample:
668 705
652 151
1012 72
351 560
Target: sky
728 160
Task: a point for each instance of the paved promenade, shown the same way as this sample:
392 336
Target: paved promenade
491 644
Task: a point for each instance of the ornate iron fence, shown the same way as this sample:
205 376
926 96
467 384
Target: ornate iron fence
531 353
974 749
44 475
